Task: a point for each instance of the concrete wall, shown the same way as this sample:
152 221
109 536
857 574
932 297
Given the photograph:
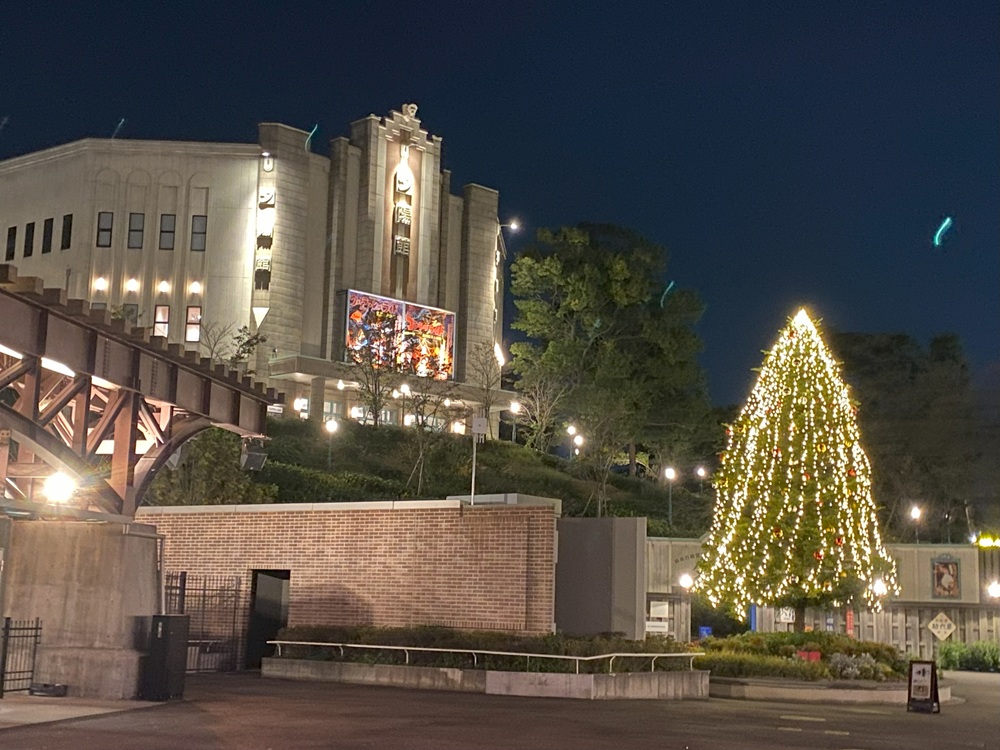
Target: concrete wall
381 563
94 588
601 576
692 684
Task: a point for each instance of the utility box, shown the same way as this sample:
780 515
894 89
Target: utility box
165 663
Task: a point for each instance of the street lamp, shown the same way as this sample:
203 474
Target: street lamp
513 225
994 589
331 428
515 409
671 475
571 430
915 515
700 471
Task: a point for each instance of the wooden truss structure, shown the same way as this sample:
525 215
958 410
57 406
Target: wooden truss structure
102 402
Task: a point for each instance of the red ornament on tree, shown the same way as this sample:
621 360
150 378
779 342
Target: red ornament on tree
839 541
852 473
818 554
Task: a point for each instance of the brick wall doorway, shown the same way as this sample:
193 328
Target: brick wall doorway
268 613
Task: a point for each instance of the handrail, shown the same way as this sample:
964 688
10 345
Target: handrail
484 652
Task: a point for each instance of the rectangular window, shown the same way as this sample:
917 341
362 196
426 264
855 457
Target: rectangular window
47 236
199 229
67 232
161 320
168 222
98 305
136 223
105 221
192 330
11 243
29 239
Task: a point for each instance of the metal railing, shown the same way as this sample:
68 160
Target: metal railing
476 653
18 646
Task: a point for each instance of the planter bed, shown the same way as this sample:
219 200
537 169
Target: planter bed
794 691
665 685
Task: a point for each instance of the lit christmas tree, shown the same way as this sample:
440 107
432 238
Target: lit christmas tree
795 524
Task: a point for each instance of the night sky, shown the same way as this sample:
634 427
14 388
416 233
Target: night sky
784 153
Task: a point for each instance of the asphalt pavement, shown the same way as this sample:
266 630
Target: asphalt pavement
245 712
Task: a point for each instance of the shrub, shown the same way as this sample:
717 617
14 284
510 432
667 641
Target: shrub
860 667
732 664
439 637
951 654
982 656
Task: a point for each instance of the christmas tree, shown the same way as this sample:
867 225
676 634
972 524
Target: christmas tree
795 524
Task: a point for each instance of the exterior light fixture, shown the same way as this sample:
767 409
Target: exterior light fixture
340 385
686 581
578 440
571 430
300 404
164 287
195 287
59 488
879 588
132 285
100 284
994 589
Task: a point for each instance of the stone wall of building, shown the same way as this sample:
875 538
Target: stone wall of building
384 563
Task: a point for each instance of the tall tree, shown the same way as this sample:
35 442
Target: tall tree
485 371
917 410
608 344
209 473
795 523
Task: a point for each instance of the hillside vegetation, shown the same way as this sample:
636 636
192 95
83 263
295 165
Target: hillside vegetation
368 463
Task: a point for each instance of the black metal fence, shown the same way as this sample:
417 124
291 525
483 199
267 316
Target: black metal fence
18 646
213 605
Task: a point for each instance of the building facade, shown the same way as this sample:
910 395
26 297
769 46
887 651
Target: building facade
195 240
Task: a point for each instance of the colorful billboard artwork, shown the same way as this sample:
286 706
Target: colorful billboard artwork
412 338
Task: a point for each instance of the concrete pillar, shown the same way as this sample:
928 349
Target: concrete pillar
317 395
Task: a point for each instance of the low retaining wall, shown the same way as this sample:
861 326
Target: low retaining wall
687 685
814 692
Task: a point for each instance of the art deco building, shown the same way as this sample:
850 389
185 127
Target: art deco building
195 239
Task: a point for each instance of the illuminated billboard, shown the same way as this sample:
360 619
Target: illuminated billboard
408 337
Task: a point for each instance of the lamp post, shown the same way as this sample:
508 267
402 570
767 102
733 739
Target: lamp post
686 582
915 515
515 409
671 475
700 471
331 428
578 442
879 589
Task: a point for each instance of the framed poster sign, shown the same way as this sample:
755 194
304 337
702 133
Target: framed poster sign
945 580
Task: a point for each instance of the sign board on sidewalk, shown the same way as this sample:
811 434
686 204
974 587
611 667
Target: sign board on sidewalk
922 690
941 626
786 615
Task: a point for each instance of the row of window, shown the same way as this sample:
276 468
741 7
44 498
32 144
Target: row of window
29 237
137 230
161 319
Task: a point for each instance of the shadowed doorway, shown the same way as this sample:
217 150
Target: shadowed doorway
268 613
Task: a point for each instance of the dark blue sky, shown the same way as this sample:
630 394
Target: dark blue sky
785 153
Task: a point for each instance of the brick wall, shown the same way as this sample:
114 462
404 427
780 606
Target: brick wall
386 563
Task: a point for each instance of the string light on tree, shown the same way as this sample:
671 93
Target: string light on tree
795 523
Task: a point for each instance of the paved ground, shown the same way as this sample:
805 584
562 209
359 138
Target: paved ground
243 711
